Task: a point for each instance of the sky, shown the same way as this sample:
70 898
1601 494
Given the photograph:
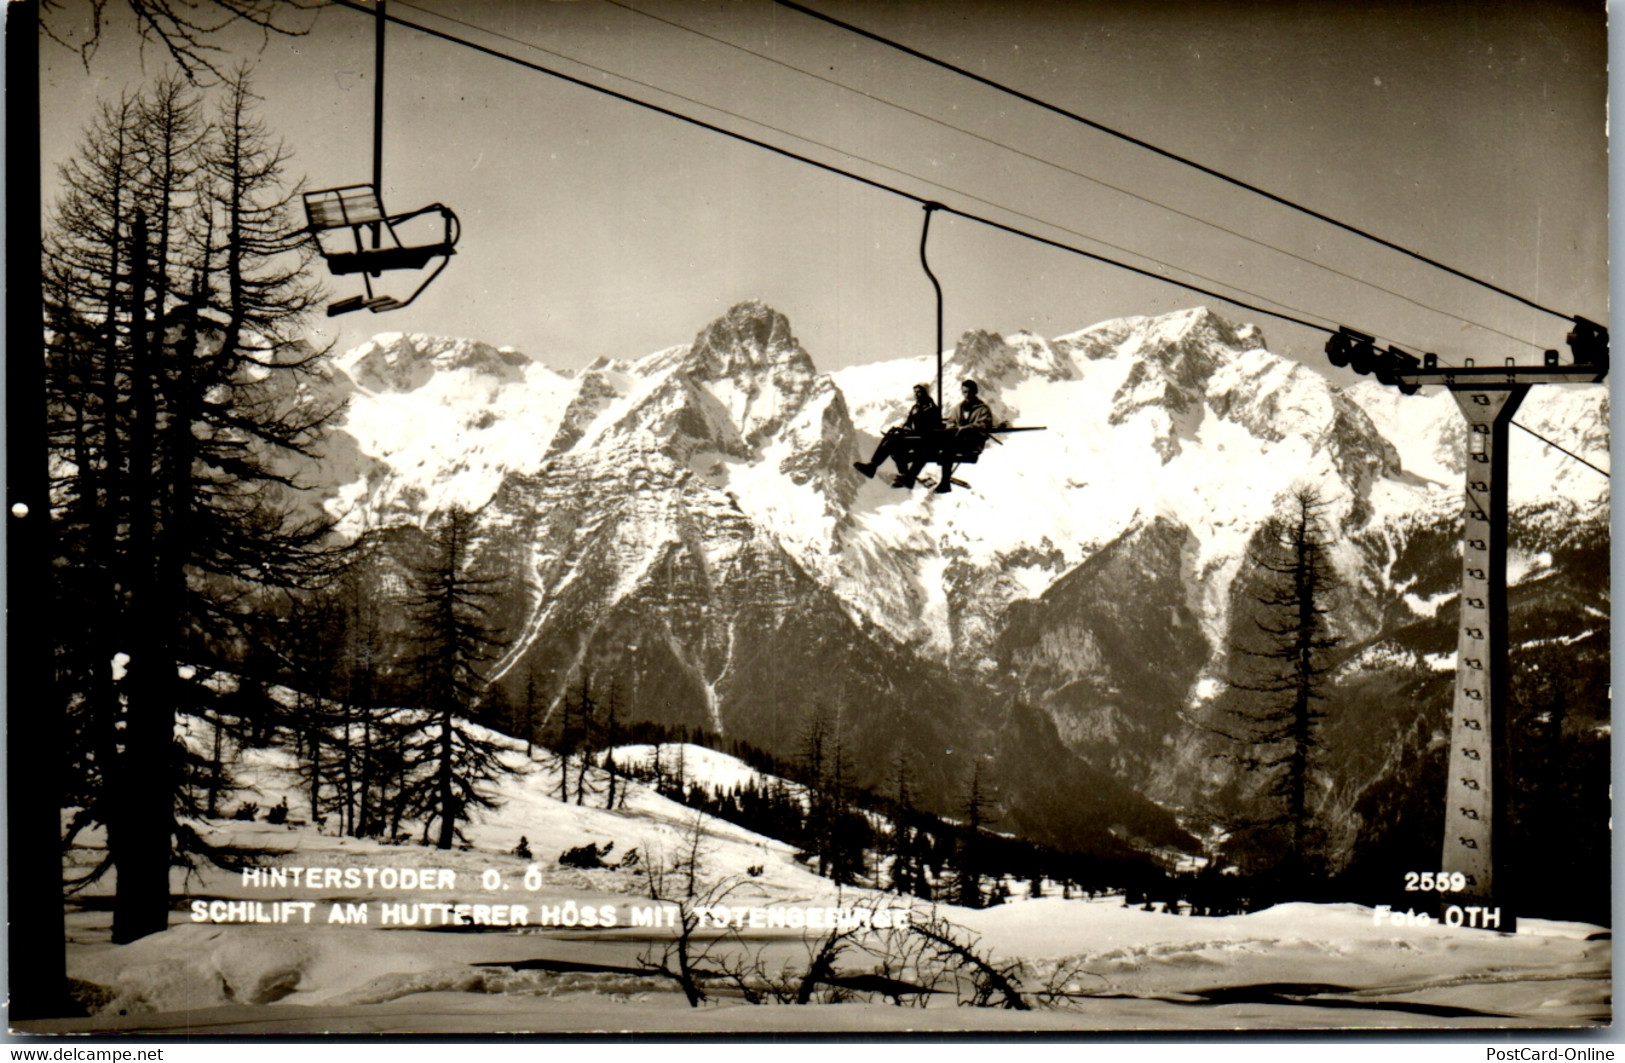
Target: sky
1471 132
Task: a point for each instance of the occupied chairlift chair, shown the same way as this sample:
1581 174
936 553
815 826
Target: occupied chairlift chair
945 447
949 450
357 208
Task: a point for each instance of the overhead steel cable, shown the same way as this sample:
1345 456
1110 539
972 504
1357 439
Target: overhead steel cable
839 171
1165 153
1094 180
892 169
623 97
1562 449
831 168
1306 260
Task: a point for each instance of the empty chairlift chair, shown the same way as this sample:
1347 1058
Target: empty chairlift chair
358 209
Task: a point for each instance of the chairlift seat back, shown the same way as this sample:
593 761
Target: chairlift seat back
358 209
340 208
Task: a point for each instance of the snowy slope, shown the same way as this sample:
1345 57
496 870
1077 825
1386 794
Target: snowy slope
1295 966
433 423
528 805
1085 964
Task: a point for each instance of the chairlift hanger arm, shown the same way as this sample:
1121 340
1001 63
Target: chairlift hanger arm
359 208
925 232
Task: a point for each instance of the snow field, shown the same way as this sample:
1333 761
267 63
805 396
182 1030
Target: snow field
1120 965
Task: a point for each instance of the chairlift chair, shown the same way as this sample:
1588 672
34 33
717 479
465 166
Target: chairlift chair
357 208
949 450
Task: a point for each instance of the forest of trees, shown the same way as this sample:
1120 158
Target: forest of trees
852 836
174 292
193 575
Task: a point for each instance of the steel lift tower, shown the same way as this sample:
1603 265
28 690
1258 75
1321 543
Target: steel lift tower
1477 815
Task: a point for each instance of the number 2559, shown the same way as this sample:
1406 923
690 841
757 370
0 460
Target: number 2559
1431 881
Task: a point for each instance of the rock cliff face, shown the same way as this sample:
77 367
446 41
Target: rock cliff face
686 530
1112 651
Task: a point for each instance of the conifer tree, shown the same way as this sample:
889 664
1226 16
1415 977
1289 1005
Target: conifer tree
968 858
847 835
907 862
815 835
583 743
573 744
448 764
1281 673
525 712
610 738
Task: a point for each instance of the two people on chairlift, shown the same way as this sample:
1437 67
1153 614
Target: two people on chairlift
910 446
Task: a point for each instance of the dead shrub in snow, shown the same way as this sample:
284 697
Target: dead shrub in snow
687 958
979 980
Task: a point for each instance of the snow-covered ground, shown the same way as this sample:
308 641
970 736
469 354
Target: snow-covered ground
1083 964
715 771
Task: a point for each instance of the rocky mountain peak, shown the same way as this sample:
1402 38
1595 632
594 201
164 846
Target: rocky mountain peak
749 338
1185 348
402 361
991 359
1201 323
750 368
1176 357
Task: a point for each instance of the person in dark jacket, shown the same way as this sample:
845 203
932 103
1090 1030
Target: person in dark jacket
973 427
901 443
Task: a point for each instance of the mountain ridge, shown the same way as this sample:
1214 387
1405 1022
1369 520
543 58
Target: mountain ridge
699 503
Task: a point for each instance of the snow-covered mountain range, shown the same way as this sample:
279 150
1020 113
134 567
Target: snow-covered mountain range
687 526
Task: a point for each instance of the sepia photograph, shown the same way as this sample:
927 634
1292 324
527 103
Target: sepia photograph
808 517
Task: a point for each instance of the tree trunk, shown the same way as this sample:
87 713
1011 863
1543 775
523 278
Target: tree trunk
448 814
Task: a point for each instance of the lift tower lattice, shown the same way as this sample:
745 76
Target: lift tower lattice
1477 816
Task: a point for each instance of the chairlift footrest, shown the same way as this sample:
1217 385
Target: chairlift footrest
345 306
